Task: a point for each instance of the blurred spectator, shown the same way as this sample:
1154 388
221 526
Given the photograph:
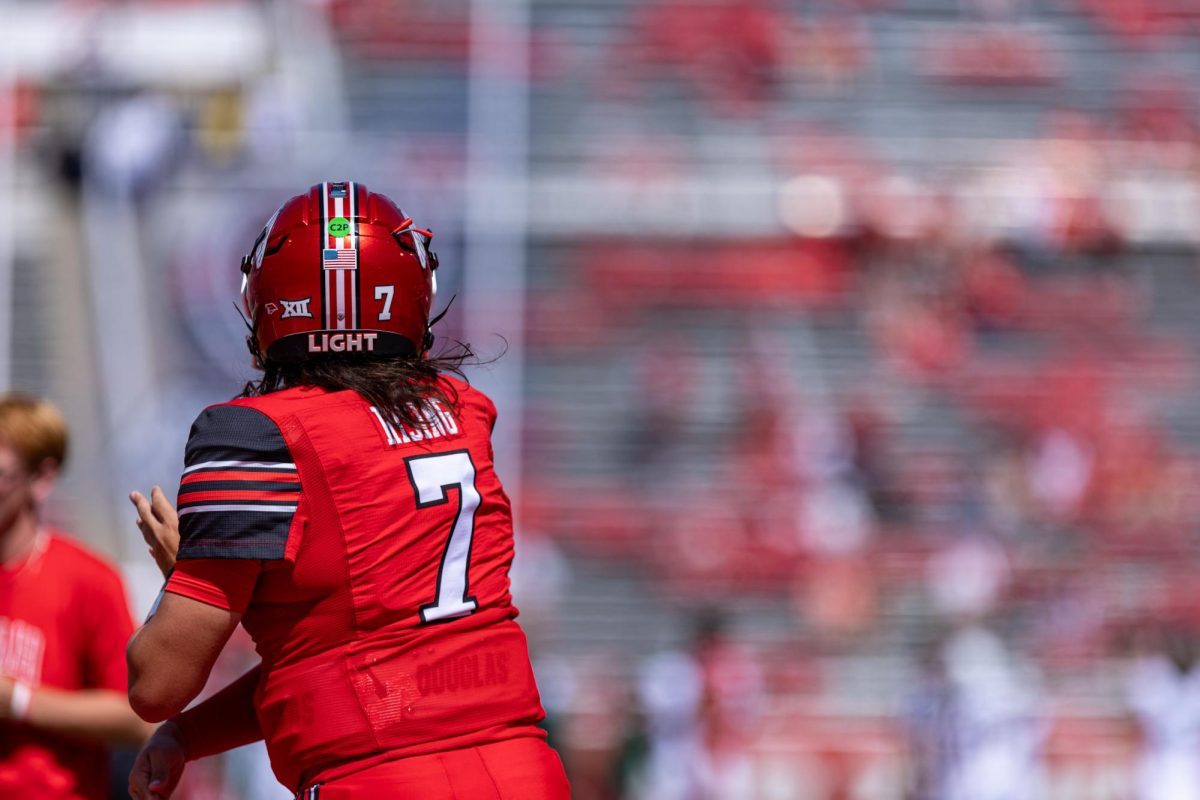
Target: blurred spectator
670 689
1059 473
666 380
702 707
993 289
967 578
976 724
1076 167
64 624
1164 693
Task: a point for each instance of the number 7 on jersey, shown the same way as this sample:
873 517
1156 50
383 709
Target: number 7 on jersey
432 477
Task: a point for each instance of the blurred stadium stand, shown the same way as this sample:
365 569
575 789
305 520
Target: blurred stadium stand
853 361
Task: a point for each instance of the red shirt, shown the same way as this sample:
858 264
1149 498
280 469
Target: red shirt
64 623
371 562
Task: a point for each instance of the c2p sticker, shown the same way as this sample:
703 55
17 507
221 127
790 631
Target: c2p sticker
339 227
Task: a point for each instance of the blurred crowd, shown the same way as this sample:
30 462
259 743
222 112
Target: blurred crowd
983 497
953 441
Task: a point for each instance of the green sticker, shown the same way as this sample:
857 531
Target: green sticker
339 227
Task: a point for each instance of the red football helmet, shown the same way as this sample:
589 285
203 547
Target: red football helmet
339 269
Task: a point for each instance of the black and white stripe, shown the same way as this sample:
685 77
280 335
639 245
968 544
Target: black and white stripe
240 487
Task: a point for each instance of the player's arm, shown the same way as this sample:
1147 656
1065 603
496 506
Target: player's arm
171 656
101 715
237 500
222 722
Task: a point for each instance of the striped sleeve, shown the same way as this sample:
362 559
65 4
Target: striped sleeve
239 489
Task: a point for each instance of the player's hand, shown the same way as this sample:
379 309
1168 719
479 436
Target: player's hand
159 765
159 525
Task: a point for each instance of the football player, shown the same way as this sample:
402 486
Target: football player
347 512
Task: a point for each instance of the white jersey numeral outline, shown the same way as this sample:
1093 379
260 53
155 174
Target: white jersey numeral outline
432 476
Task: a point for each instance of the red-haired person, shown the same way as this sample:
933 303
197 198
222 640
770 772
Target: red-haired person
64 624
346 511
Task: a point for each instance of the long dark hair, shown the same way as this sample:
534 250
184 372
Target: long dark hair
397 386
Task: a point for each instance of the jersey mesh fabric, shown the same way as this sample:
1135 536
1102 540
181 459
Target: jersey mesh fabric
239 488
352 675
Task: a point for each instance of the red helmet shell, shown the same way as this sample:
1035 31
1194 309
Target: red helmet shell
339 269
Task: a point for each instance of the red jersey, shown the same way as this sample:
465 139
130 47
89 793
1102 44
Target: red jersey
64 623
371 562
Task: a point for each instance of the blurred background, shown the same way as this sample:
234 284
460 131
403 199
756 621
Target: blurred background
848 403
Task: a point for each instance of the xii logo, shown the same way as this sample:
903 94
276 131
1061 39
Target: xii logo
295 308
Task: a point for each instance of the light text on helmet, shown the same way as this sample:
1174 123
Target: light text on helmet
342 342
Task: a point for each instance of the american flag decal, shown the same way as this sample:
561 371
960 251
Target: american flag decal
339 257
